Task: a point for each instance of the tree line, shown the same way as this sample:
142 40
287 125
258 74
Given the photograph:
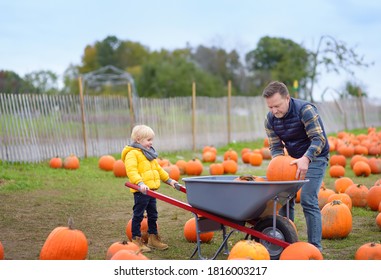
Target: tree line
169 73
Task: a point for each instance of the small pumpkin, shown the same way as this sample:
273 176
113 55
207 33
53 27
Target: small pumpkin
256 159
71 162
120 245
106 162
119 169
230 166
173 171
128 255
231 154
65 243
341 184
56 162
143 229
323 195
194 167
209 156
369 251
361 168
280 169
249 249
358 194
336 171
378 219
216 169
343 197
190 232
338 159
374 197
181 165
301 250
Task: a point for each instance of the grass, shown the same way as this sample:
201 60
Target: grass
35 199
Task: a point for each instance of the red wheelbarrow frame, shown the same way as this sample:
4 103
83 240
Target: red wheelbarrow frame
208 215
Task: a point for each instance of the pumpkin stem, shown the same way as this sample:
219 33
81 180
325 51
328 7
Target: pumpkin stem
70 223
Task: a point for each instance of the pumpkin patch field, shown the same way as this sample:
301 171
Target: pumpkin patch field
89 200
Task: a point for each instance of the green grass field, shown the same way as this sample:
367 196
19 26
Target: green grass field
34 199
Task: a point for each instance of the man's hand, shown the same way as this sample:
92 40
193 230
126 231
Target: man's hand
302 164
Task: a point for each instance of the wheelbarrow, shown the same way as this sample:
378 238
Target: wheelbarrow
218 202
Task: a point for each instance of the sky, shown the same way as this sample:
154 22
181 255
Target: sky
51 35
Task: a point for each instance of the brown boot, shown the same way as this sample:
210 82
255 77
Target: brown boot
155 242
139 241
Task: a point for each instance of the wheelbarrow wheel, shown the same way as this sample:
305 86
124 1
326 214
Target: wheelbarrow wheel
284 231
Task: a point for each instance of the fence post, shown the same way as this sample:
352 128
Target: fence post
132 114
229 110
362 108
194 115
83 114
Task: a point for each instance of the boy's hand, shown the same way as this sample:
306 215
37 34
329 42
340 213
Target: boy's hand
143 188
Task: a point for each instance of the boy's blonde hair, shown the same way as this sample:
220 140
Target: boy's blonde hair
141 132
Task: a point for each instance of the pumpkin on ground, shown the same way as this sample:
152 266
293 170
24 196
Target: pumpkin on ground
209 156
336 220
230 166
341 184
343 197
119 169
216 169
128 255
301 250
231 154
123 245
56 162
190 232
256 159
65 243
336 171
281 169
374 197
250 250
194 167
181 164
358 194
106 162
338 159
71 162
361 168
378 219
173 171
369 251
323 195
143 229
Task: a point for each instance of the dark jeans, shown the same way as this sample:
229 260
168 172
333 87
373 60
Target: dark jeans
144 203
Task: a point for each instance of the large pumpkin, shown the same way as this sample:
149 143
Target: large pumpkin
343 197
336 220
123 245
280 169
65 243
369 251
301 250
190 232
106 162
250 250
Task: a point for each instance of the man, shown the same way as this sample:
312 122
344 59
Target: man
295 124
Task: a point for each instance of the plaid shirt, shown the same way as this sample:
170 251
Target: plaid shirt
314 131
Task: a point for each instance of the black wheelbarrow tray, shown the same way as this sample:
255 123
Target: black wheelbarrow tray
246 206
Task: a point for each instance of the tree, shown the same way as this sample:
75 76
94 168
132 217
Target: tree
277 59
11 82
336 56
43 82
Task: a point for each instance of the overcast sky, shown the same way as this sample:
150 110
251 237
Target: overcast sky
52 34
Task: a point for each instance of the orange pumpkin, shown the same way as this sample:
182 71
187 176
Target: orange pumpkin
194 167
209 156
256 159
128 255
123 245
338 159
265 152
336 171
323 195
341 184
106 162
249 249
143 229
358 194
374 197
216 169
378 219
361 168
301 250
336 220
375 165
190 232
280 169
71 162
343 197
55 162
181 164
173 171
246 157
231 154
369 251
357 158
65 243
230 166
119 169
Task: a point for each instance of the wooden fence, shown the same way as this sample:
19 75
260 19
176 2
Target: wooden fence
34 128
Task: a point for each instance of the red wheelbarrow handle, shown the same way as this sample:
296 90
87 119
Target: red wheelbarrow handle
209 215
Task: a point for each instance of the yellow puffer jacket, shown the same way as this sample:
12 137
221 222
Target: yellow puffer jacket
140 169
